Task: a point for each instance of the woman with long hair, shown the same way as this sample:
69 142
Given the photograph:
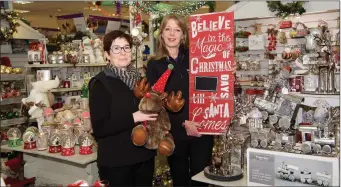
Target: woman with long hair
192 150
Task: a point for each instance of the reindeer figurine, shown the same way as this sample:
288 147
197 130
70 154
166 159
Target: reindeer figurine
155 134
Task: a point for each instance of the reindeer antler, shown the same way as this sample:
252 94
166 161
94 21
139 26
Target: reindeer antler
174 102
141 88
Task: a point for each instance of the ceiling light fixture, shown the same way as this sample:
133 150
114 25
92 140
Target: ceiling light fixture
23 2
21 11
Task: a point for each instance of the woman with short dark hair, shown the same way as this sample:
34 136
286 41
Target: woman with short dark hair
114 114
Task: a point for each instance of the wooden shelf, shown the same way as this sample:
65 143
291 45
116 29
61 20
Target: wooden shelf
77 158
65 90
14 100
64 65
15 121
258 72
12 77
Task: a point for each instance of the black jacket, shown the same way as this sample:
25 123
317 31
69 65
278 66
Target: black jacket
178 80
112 104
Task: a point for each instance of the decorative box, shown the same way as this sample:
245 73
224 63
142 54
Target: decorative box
272 168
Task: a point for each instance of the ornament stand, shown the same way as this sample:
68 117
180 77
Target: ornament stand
48 168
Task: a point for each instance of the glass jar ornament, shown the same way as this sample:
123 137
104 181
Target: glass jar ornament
60 58
311 79
52 58
42 140
49 115
77 129
85 58
86 121
68 144
30 139
85 144
311 43
72 57
55 142
84 103
14 135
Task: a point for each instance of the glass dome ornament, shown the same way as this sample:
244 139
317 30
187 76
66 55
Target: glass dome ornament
14 135
42 140
68 144
30 139
85 144
55 142
77 129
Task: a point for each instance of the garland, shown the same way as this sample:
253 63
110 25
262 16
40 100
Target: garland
11 17
162 9
296 7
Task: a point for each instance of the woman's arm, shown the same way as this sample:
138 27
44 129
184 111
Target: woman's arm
107 120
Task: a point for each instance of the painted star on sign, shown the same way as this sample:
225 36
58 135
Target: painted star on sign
213 97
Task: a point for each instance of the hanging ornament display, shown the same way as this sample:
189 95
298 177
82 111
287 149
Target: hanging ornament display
272 33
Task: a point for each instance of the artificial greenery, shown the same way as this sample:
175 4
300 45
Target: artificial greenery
284 10
7 32
160 8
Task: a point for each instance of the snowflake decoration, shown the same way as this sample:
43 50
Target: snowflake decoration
213 97
229 46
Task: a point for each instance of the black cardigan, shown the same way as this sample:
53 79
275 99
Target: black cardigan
112 104
178 80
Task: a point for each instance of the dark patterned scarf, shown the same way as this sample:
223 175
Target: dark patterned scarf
129 76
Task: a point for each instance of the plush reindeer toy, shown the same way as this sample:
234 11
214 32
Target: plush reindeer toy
155 134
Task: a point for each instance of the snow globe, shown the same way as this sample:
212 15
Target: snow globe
68 144
85 144
14 135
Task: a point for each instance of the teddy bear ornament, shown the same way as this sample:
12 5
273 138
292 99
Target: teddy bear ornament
155 134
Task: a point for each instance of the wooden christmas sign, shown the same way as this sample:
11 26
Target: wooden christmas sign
211 83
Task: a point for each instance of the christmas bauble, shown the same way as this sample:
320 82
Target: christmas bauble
139 135
8 70
9 115
16 114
